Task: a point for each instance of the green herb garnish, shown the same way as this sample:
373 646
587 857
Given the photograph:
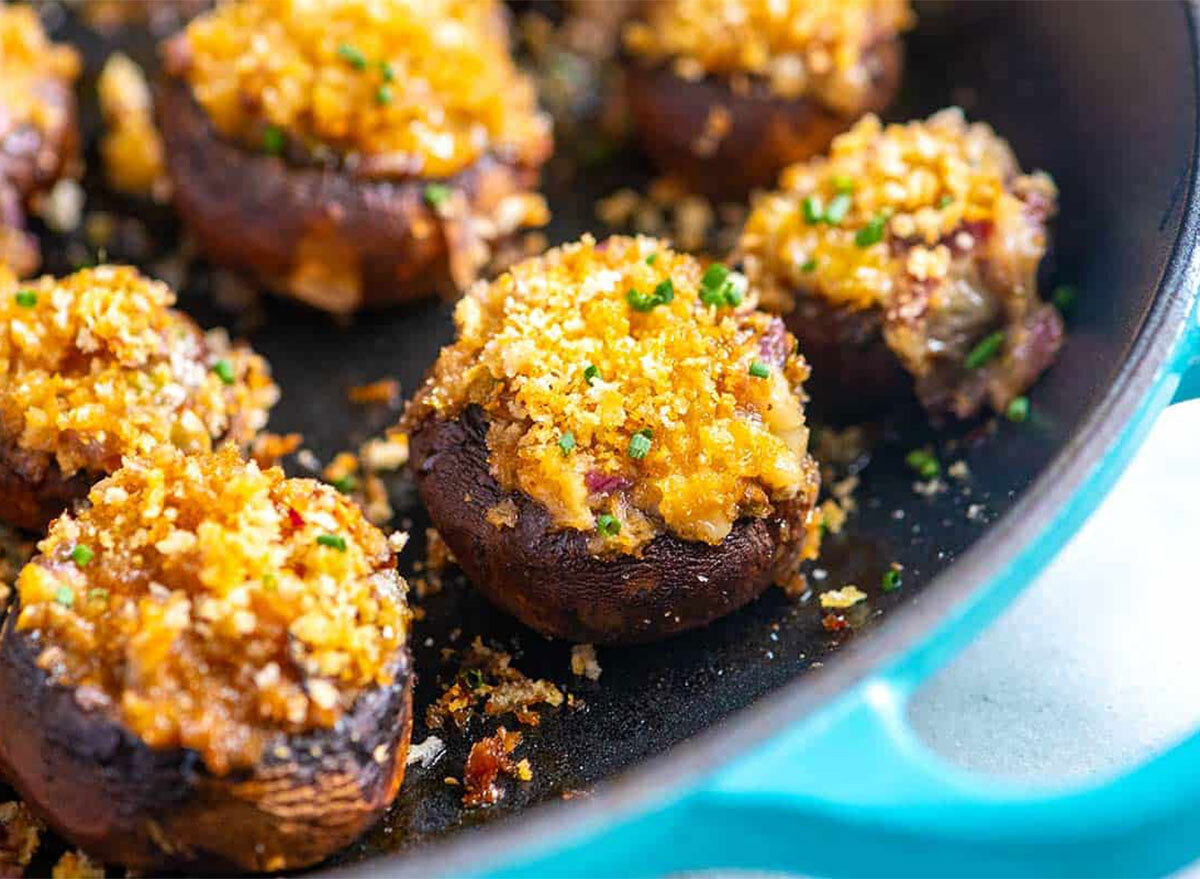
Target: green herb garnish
758 369
81 555
352 56
924 462
566 442
987 348
838 208
590 373
639 444
1017 410
652 259
842 183
25 298
345 484
333 541
387 71
64 596
891 580
97 595
721 287
663 293
872 233
383 95
608 525
473 678
810 265
436 194
223 369
272 142
1064 297
945 201
814 209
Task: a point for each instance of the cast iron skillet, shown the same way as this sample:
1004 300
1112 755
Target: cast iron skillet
1104 96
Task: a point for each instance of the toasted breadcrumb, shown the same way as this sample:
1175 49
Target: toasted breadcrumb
584 662
384 392
77 865
132 149
487 679
489 758
20 835
840 599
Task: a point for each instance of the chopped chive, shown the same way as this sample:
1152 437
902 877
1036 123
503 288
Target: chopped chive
345 484
735 289
652 259
664 292
1017 410
838 208
224 371
566 442
639 445
843 183
872 233
272 140
721 287
810 265
64 596
97 595
608 525
891 580
352 56
638 300
814 210
81 555
333 541
1063 297
714 276
25 298
987 348
474 678
387 71
924 462
436 194
383 95
591 372
758 369
945 201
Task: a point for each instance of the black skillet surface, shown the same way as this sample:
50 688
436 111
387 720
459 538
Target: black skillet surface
1093 93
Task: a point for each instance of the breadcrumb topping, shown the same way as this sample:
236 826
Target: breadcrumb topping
97 365
894 200
212 605
27 59
624 394
131 148
798 47
417 87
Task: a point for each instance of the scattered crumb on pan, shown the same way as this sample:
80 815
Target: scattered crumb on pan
584 663
20 835
131 148
384 392
77 865
490 758
840 599
487 681
268 449
427 752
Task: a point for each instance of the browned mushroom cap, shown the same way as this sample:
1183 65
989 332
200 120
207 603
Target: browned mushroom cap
724 142
547 577
135 371
333 239
206 668
39 126
387 181
106 791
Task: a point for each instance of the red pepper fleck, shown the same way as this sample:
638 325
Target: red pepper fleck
834 622
295 519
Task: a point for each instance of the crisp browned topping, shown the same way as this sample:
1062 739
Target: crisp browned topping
211 605
98 365
628 389
489 759
20 834
132 149
77 865
909 193
414 87
797 46
486 678
27 59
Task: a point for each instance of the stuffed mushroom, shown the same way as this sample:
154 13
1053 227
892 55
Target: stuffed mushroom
39 134
615 447
207 669
726 93
909 257
361 156
97 366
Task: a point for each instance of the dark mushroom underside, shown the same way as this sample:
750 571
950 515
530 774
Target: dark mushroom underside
724 143
33 490
106 791
549 580
334 240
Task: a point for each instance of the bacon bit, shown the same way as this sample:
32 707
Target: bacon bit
385 392
20 835
295 519
834 622
489 758
269 449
